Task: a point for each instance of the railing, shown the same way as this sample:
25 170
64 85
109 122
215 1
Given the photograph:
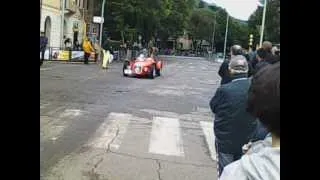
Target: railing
58 54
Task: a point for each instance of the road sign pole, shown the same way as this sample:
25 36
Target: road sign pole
101 24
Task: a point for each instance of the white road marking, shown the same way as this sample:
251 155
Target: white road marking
44 69
44 105
71 112
207 128
166 137
166 92
52 128
111 131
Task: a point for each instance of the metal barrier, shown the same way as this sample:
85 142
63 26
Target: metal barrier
58 54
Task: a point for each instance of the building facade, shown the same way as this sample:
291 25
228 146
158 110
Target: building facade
51 21
77 17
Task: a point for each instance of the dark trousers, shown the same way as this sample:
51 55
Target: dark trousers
225 158
86 58
42 57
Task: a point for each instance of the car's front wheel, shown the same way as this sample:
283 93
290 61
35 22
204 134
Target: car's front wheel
125 65
152 72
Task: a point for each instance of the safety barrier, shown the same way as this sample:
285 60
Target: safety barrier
58 54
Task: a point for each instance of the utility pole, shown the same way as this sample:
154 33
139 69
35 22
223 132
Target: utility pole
225 38
101 24
62 22
263 22
214 29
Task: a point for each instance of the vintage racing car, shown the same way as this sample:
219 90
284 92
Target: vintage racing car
143 65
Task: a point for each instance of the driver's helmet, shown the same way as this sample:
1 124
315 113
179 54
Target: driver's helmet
144 51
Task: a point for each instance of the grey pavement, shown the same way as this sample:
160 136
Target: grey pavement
97 124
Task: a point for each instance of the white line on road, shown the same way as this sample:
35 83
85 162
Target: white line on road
207 128
71 112
166 137
111 131
44 69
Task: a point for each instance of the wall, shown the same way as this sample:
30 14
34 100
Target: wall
55 17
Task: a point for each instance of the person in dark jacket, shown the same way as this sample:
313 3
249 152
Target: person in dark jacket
223 70
233 125
43 46
262 59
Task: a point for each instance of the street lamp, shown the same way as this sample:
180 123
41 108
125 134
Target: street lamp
214 29
62 22
225 37
250 40
101 24
263 21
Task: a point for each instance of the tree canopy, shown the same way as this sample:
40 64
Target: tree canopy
161 19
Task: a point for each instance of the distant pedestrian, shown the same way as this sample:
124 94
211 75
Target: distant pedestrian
67 44
88 49
77 46
262 160
43 46
233 125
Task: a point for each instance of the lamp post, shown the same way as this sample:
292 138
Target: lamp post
263 21
214 29
225 38
62 22
101 24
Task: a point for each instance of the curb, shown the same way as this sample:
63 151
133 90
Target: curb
69 62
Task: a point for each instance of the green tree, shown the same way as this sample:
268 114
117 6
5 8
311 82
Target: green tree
272 22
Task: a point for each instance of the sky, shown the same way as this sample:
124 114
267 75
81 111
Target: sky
239 9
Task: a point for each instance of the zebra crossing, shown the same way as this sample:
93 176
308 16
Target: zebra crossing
165 134
162 134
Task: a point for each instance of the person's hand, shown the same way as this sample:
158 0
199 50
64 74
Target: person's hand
246 147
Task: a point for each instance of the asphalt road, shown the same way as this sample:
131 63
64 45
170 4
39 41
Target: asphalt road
98 125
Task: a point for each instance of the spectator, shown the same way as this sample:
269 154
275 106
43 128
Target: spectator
43 46
276 53
233 126
77 45
88 49
252 54
270 58
67 44
223 70
262 59
262 161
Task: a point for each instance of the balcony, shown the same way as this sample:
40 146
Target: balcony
70 6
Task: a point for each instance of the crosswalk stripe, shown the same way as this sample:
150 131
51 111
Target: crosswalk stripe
166 137
207 128
112 131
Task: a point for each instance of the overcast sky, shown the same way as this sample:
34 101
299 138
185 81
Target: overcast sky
239 9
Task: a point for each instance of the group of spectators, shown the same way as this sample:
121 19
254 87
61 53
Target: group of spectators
247 115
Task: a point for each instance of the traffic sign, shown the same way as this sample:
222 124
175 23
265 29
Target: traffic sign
98 19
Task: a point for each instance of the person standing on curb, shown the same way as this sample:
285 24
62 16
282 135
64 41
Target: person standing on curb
43 46
88 49
223 70
233 125
262 159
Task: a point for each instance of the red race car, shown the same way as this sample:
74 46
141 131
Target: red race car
143 66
